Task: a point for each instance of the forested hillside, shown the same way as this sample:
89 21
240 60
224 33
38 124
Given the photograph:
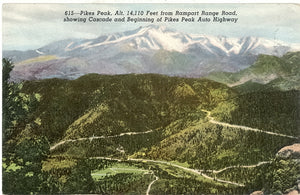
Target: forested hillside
109 105
113 134
275 111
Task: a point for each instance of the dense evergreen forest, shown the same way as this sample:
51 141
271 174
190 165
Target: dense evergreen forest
127 134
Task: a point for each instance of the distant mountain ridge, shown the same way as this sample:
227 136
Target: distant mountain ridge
150 49
273 72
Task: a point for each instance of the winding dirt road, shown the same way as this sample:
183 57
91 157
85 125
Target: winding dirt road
149 186
240 166
98 137
212 120
198 172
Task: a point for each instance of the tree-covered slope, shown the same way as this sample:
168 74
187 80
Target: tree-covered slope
109 105
156 119
210 146
276 111
276 72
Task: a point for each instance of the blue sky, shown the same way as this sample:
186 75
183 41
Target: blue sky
30 26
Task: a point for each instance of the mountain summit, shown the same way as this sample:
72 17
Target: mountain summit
150 49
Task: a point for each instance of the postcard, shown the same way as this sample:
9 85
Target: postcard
150 98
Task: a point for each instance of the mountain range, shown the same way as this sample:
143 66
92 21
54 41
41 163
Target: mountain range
150 49
274 72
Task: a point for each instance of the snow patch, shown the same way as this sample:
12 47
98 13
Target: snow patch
39 52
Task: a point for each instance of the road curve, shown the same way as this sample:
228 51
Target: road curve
239 166
149 186
212 120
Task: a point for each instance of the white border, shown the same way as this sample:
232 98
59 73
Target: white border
151 1
120 2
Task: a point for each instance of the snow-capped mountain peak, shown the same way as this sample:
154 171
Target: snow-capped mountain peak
151 37
155 37
148 49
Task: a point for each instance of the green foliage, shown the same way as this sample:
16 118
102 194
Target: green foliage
108 105
275 111
123 183
116 169
222 77
103 105
27 177
254 178
79 180
17 106
191 186
7 67
110 146
32 149
11 102
266 64
224 110
209 146
279 177
122 178
176 181
70 175
284 175
22 158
